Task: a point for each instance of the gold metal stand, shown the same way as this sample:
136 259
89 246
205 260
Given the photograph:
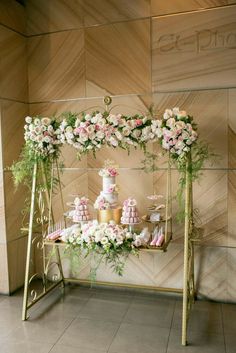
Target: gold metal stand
188 278
36 245
38 242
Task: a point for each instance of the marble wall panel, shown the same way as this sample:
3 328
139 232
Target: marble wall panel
137 271
51 16
232 128
168 267
101 12
14 205
232 208
13 65
2 200
209 109
13 15
2 211
4 279
12 121
60 72
194 50
231 273
16 256
210 202
118 57
171 7
211 273
73 183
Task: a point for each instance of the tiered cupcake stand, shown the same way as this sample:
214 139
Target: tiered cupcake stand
41 203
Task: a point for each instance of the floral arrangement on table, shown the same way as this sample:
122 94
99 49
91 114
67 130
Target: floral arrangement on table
111 242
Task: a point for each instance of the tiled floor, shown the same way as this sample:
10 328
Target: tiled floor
99 320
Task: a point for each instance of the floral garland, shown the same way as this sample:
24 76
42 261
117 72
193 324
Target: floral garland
89 132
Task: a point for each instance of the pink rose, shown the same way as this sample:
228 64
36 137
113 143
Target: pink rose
139 122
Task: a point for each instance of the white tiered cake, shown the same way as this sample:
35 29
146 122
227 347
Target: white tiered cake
107 201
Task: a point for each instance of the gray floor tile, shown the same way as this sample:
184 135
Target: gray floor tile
106 309
65 307
151 312
230 342
42 328
197 343
90 334
24 347
58 348
204 317
229 318
140 339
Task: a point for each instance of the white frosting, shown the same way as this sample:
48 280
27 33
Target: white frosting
107 182
111 197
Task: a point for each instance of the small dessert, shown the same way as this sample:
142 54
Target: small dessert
130 213
81 211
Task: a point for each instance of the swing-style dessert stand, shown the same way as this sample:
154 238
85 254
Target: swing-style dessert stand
41 201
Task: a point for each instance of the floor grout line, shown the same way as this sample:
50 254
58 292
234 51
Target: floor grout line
223 329
172 319
115 334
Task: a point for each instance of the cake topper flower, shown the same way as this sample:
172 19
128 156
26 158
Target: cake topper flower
109 169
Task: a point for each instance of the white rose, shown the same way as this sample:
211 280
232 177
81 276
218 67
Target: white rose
46 121
90 129
179 145
104 240
28 119
113 141
118 135
168 113
126 131
37 121
87 117
101 122
100 135
180 125
113 119
176 111
165 145
170 122
136 133
47 139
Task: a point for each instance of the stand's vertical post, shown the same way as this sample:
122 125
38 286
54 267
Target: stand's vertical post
29 246
186 254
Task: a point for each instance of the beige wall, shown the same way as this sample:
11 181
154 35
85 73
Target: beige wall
13 108
169 53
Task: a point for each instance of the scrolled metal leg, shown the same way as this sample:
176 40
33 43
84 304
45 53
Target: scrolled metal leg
29 248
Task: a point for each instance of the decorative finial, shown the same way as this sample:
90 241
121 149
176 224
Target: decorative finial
107 100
